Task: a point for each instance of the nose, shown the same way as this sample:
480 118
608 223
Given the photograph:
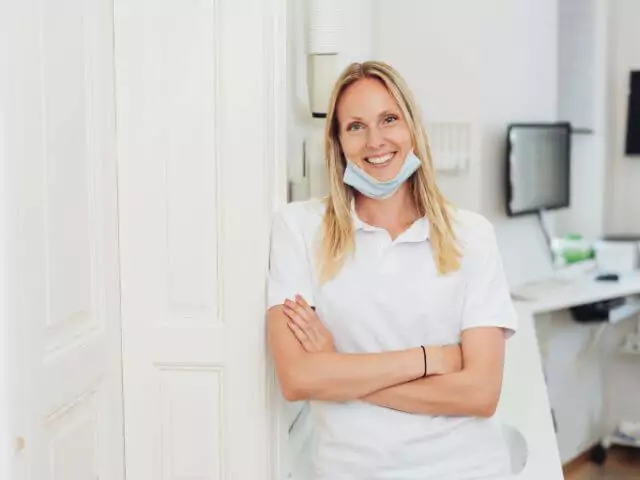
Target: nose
375 138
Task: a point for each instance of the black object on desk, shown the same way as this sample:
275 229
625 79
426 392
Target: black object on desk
608 277
597 311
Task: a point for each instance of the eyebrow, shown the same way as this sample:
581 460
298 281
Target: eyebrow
382 114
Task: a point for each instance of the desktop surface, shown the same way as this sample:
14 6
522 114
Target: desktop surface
557 293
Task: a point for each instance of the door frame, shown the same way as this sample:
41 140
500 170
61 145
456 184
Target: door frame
6 359
278 102
6 353
11 416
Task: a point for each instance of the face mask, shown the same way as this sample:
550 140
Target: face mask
372 188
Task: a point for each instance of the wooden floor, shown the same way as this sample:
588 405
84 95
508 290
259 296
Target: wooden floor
621 464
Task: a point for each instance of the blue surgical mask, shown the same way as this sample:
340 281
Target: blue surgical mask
372 188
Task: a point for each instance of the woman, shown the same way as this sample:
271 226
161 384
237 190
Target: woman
388 308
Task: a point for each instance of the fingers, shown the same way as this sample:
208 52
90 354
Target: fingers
303 309
302 302
295 316
305 325
307 315
300 335
304 312
300 325
313 325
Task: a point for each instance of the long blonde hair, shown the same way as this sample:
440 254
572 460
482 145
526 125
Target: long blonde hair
338 233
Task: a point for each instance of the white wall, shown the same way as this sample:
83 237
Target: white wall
518 79
488 63
624 172
583 101
439 53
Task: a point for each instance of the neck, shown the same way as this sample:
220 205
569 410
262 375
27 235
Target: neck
398 210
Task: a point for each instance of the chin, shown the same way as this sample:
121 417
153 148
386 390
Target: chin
384 176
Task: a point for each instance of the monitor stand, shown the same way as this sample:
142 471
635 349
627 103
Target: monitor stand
544 228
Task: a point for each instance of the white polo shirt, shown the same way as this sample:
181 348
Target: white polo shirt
389 296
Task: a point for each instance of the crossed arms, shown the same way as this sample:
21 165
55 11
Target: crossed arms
462 380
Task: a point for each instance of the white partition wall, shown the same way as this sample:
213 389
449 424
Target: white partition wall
199 96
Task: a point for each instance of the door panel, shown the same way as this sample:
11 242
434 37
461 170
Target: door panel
198 127
66 300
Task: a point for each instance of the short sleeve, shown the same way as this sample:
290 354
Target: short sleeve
487 301
289 266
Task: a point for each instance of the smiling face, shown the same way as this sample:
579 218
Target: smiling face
373 132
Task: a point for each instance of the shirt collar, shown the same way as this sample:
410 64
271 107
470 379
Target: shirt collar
418 232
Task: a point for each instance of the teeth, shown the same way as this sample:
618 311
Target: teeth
380 160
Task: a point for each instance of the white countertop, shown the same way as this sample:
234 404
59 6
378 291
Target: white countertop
558 294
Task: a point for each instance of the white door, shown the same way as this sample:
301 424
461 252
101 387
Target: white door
64 289
200 116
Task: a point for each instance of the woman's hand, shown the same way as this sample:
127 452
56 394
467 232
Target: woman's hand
307 327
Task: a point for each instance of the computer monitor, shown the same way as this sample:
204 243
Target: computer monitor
632 144
538 167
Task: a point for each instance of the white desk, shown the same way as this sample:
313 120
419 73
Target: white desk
524 403
558 294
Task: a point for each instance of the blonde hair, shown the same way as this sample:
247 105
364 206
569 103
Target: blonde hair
338 233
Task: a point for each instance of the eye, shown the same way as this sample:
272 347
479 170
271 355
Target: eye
354 126
390 119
